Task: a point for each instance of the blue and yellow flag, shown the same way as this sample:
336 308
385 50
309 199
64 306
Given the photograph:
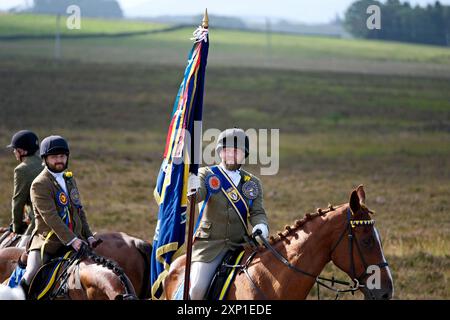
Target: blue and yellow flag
171 187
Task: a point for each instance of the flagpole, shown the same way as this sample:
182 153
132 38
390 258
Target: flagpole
187 274
192 201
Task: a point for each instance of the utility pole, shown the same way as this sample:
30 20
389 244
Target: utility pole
269 41
58 38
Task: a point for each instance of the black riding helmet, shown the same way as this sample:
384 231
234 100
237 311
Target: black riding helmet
233 138
54 145
26 140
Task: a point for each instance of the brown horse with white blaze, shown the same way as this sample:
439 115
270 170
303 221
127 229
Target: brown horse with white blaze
290 265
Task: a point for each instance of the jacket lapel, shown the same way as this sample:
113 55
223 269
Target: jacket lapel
239 186
71 192
59 188
53 180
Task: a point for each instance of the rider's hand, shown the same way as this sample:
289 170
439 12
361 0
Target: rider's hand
264 231
77 243
193 184
91 241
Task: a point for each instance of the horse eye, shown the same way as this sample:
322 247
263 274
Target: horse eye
368 242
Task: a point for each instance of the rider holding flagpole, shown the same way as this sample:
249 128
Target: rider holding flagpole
229 198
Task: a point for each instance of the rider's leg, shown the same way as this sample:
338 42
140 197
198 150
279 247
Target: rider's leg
201 275
34 262
23 241
27 234
32 224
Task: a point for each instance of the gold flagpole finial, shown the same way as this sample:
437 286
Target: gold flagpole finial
205 20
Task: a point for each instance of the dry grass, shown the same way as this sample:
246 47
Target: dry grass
334 136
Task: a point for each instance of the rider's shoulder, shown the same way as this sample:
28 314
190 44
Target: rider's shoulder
21 168
249 176
24 168
42 180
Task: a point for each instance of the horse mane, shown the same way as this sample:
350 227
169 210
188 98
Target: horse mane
116 269
288 229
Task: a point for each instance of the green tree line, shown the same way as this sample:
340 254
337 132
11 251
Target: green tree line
89 8
401 22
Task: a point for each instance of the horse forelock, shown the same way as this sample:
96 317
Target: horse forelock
299 223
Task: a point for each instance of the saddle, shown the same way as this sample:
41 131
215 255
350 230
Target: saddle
222 279
46 283
224 275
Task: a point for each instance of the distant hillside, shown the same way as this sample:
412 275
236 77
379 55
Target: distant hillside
332 29
89 8
45 24
230 48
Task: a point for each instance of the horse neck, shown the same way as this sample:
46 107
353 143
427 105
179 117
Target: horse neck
102 282
308 248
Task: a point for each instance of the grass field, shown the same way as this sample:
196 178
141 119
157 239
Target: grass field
385 126
229 48
30 24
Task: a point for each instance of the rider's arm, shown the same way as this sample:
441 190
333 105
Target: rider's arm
86 230
19 200
257 211
201 192
87 233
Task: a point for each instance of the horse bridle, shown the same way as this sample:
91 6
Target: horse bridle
351 224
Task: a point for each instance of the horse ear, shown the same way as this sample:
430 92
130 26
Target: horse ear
361 194
354 202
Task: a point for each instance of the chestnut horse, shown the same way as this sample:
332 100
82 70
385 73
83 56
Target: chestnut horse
86 276
290 264
130 253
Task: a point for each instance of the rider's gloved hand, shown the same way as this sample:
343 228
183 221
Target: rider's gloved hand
91 241
77 244
193 184
264 231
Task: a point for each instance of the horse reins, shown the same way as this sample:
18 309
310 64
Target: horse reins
318 279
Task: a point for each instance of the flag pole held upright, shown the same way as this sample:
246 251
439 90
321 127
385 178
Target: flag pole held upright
180 159
192 202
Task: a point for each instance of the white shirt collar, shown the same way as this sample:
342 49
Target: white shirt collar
57 175
235 175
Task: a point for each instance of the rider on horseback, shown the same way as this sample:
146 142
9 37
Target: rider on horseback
60 219
25 144
223 220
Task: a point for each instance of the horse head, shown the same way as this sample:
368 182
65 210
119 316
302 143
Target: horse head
357 248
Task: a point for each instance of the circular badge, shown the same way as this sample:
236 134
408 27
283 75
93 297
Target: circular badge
250 190
233 195
75 196
62 199
213 183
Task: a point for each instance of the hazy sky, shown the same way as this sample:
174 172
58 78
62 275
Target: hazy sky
309 11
